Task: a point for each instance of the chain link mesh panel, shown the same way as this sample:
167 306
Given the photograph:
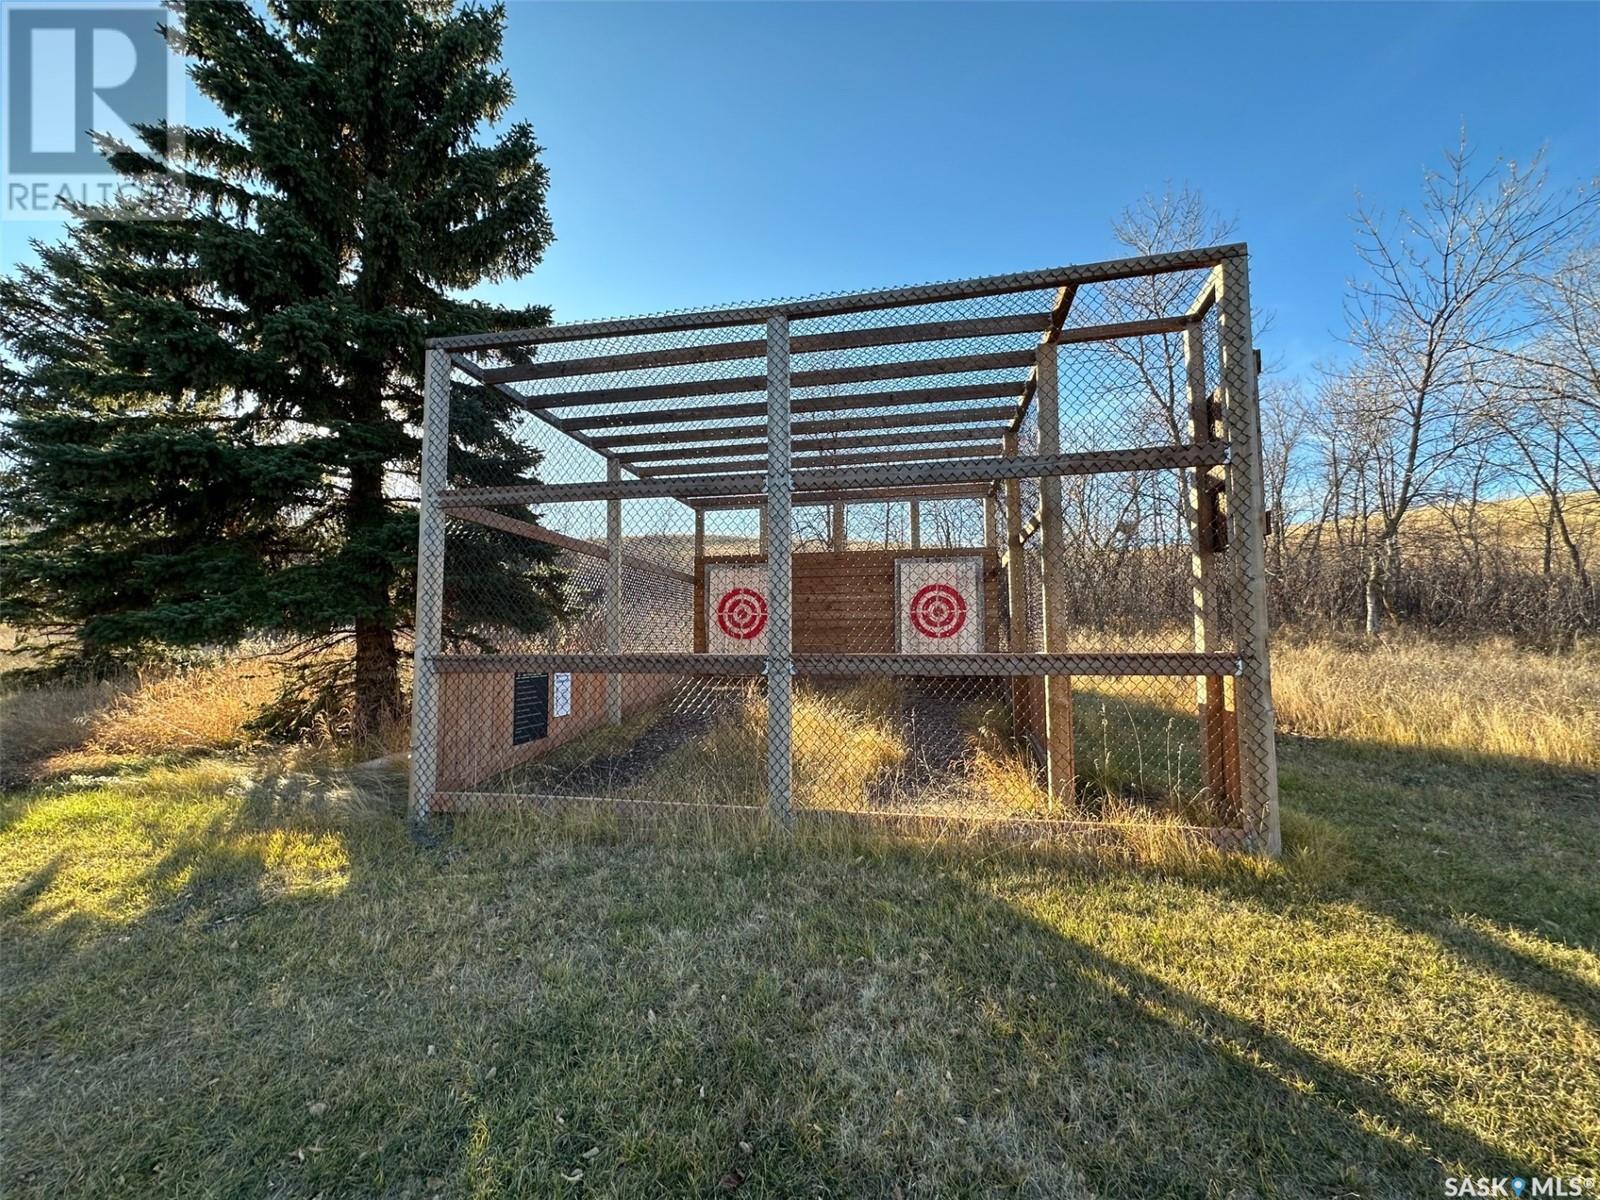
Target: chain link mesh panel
982 555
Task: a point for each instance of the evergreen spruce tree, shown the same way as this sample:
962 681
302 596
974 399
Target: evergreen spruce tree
214 420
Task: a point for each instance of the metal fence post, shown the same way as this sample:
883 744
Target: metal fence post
614 591
434 477
1258 756
780 661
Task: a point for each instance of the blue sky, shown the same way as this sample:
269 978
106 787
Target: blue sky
715 153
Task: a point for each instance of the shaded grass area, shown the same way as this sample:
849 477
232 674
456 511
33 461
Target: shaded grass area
219 982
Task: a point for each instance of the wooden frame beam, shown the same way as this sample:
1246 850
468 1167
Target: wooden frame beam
912 475
1117 663
538 533
928 454
958 364
1092 333
847 339
900 297
959 394
830 442
888 425
853 495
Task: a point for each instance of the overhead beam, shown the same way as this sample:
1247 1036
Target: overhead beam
900 297
911 474
958 364
953 491
847 339
827 425
538 533
902 398
823 460
1092 333
832 442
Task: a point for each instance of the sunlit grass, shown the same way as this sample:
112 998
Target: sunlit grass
226 979
1482 697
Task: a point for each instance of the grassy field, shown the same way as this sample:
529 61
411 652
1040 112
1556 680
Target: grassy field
233 974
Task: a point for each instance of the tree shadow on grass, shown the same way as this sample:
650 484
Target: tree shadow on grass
888 1022
1437 840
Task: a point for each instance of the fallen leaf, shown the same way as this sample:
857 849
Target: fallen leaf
591 1152
576 1175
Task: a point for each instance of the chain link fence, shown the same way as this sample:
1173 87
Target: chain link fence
979 556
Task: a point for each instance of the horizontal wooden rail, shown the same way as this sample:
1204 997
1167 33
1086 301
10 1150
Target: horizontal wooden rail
1006 830
538 533
952 397
842 458
830 442
959 364
847 339
1112 663
900 297
953 491
909 475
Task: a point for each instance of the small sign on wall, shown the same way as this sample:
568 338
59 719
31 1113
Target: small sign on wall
736 609
941 605
561 695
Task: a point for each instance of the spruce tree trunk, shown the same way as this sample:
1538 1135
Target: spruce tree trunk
377 674
377 684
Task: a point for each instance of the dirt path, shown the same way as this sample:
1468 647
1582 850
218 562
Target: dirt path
940 754
689 713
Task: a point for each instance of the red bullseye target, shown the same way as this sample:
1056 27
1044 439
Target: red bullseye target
938 611
742 613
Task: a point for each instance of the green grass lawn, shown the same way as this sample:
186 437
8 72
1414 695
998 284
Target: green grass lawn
223 983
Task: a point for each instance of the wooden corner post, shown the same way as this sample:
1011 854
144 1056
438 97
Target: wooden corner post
780 598
613 591
1217 744
1258 755
1060 770
430 583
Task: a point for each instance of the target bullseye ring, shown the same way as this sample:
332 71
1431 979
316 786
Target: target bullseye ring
742 613
938 611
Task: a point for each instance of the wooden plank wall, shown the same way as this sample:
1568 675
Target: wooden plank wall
844 602
475 720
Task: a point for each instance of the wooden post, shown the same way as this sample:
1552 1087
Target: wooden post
763 530
1060 770
1216 749
614 591
1258 755
988 520
698 592
430 583
1016 578
916 525
838 527
780 599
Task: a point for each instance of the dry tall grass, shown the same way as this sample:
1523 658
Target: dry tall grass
68 728
842 742
1487 697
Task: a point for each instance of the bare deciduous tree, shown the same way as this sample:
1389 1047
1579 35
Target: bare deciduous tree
1442 295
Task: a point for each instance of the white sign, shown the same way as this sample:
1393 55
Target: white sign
561 695
941 605
736 609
